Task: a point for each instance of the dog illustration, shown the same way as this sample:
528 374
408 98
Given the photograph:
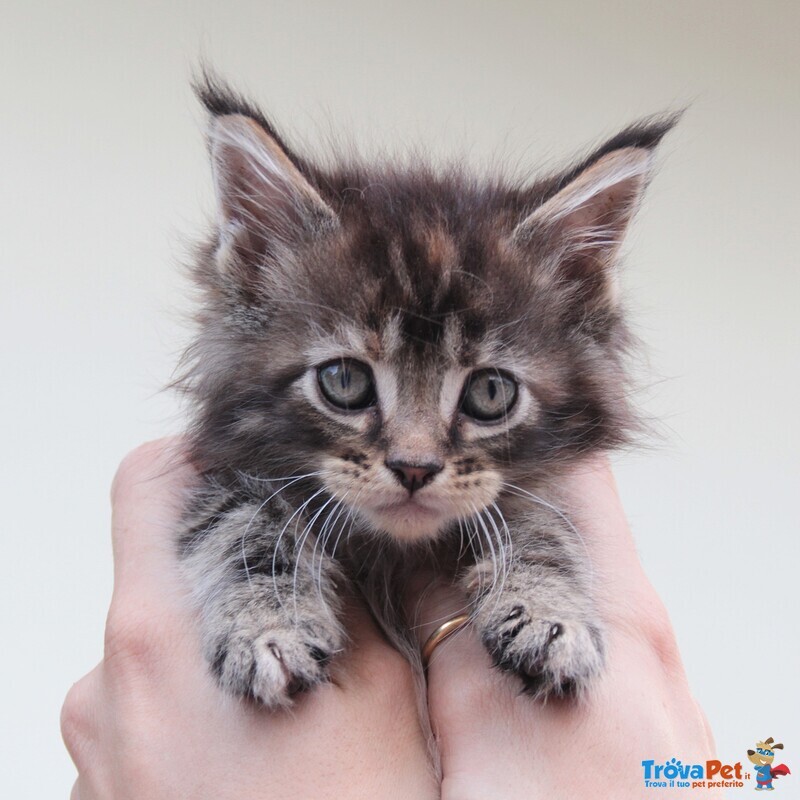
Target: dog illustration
762 757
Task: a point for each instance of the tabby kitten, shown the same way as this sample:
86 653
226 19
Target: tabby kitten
397 364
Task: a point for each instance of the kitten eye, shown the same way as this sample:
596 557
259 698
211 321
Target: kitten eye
347 384
488 395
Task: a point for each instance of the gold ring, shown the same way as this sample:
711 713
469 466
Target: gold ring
444 631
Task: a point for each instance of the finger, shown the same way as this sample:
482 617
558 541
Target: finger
147 496
434 605
593 506
474 719
369 654
591 501
79 721
82 790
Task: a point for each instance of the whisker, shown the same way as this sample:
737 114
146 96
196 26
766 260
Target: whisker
292 478
322 538
490 545
349 515
501 572
501 549
349 518
473 537
250 522
460 538
508 538
297 511
308 530
420 623
524 493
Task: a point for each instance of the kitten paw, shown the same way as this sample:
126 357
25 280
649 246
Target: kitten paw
553 654
273 666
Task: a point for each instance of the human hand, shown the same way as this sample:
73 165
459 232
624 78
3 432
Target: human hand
149 722
497 743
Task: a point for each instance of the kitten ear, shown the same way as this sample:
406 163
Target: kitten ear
259 188
585 221
596 206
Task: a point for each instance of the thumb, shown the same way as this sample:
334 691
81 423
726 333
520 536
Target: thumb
147 497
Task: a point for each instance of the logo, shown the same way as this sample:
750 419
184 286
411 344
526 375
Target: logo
762 758
674 774
714 774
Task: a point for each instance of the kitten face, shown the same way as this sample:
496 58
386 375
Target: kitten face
402 345
417 457
342 306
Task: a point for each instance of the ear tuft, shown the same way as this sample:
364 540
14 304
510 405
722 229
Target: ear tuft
597 204
646 134
585 216
263 190
220 100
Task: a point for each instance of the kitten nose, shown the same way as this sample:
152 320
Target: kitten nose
413 476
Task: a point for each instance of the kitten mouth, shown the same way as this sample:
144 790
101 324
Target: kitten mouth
409 505
407 519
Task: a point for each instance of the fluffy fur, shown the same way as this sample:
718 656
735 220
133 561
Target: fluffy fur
424 277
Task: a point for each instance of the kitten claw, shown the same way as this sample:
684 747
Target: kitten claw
273 667
553 659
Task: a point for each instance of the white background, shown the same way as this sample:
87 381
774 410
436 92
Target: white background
104 180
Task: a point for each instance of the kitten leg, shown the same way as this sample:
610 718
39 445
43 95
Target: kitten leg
537 617
268 601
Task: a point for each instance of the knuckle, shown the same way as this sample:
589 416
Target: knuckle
376 668
396 672
131 640
77 727
655 628
472 694
137 465
384 666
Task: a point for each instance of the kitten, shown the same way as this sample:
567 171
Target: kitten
392 363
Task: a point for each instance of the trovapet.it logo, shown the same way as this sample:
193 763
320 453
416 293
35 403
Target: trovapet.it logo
674 774
714 774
